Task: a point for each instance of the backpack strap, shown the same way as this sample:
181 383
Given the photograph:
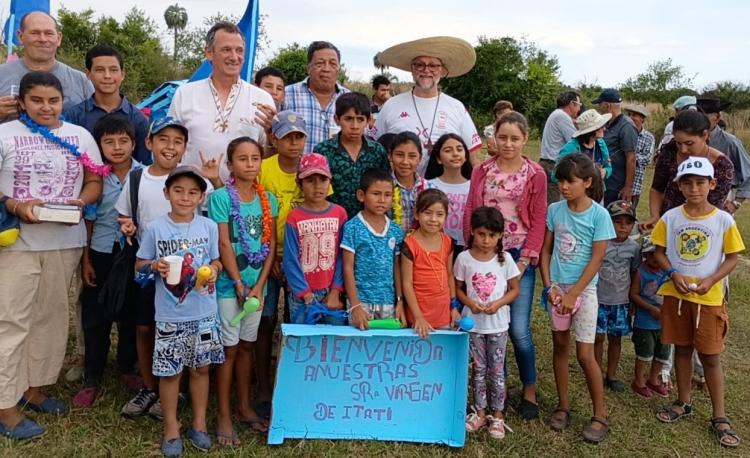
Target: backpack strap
135 184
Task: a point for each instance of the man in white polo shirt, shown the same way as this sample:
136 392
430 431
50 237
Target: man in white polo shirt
222 107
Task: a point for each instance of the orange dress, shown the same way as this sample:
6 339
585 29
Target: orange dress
430 280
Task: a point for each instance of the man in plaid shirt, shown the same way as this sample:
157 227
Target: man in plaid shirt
644 148
315 97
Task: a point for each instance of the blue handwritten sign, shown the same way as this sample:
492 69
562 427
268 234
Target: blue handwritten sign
335 382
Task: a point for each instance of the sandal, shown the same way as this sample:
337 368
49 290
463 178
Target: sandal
593 435
726 437
256 424
228 440
668 414
558 423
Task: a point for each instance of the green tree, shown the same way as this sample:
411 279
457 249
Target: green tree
509 69
176 18
292 60
662 82
146 63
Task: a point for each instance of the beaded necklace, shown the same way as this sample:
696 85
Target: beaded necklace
243 232
97 169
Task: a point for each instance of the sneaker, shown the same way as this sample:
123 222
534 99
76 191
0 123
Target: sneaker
659 390
614 385
140 404
86 397
642 391
497 427
172 448
74 374
474 422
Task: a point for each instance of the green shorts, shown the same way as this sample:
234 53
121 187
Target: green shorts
648 345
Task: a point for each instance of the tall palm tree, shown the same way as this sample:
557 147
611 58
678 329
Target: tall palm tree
176 18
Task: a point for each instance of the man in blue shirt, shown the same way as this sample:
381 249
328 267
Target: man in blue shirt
104 69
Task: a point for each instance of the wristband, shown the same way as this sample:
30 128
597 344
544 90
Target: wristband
456 304
671 271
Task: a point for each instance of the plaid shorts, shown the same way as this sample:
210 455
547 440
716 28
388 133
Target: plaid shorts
190 344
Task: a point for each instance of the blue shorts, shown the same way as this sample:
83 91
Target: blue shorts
298 308
189 344
613 320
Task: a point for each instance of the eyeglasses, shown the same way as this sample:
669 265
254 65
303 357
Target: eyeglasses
419 66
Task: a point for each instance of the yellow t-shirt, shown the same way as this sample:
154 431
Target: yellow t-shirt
284 186
696 246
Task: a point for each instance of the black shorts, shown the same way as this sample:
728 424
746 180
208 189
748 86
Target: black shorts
143 304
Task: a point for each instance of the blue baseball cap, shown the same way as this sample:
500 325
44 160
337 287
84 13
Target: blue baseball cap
167 121
608 95
684 101
288 121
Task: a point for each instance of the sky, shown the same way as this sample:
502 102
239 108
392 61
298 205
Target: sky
594 42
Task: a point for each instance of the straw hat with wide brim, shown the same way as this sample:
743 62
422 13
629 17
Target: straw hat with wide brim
457 55
591 120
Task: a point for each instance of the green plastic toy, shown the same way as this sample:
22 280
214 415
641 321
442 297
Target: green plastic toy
387 323
251 305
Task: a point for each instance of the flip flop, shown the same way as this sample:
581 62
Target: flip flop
233 438
257 424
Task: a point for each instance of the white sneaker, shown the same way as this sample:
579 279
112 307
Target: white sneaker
497 427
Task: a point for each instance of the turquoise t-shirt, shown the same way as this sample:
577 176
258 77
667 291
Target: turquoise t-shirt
574 236
220 210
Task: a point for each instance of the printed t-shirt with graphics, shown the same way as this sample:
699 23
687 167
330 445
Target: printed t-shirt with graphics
696 246
374 253
457 196
288 194
32 167
198 243
620 260
220 210
312 260
400 115
151 200
574 237
486 281
650 282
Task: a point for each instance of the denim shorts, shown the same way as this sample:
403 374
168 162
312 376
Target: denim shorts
613 320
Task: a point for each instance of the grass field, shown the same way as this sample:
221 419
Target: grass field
635 432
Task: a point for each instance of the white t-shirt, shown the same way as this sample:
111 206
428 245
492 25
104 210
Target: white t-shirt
485 282
31 167
151 201
457 195
193 105
558 129
399 115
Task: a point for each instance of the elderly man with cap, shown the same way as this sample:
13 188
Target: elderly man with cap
425 110
621 138
644 148
731 146
40 37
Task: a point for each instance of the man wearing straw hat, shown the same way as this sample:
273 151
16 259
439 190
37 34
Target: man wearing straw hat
425 110
644 147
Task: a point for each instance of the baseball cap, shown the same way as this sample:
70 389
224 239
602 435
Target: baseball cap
684 101
694 165
621 207
288 121
608 95
186 171
311 164
167 121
